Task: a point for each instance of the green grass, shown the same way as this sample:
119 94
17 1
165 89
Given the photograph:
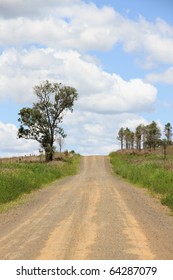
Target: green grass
17 179
149 171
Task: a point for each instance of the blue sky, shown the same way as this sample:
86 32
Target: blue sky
117 54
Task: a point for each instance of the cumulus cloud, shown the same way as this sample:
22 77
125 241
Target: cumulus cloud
85 27
99 91
163 77
92 133
30 8
97 134
123 96
10 145
154 39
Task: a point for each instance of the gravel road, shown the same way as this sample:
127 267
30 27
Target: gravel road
93 215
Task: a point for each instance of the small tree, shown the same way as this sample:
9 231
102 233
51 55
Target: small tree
121 137
127 138
164 144
168 132
153 134
61 141
41 122
139 136
132 140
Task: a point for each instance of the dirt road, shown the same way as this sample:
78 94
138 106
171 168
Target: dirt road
93 215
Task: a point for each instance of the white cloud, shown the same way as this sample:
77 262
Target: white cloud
163 77
31 8
11 145
86 27
94 129
153 39
91 133
82 26
121 96
99 91
133 122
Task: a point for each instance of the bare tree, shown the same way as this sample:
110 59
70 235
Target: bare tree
61 141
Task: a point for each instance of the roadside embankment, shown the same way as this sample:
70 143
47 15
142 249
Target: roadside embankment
17 179
147 170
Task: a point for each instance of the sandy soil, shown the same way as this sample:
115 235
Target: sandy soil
93 215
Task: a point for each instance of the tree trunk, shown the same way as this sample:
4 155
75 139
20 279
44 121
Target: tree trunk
49 156
49 153
121 144
164 149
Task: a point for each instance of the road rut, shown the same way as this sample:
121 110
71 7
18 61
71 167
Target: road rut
93 215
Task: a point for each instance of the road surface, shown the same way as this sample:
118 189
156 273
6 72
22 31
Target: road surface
93 215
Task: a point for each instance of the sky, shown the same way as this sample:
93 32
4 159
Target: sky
117 54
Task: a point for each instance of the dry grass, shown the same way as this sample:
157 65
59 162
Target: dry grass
34 158
21 159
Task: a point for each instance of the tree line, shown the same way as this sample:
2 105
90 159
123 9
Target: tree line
145 137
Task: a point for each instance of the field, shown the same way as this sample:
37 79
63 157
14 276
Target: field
19 177
149 170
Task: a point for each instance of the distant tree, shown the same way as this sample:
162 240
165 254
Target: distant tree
139 136
168 133
41 122
121 137
164 145
144 136
61 141
152 134
132 140
127 138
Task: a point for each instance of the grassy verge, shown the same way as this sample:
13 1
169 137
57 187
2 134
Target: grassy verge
149 171
17 179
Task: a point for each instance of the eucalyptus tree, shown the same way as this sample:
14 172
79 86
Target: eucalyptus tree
153 134
41 122
127 138
132 140
121 137
138 136
168 132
